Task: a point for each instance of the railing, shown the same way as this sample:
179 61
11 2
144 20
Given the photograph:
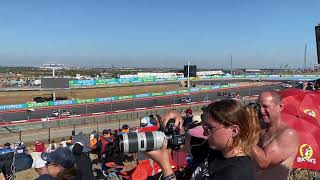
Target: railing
46 130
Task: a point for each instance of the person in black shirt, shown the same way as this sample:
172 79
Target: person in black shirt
232 131
83 163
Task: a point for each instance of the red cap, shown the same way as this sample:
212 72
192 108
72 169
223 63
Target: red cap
39 147
189 111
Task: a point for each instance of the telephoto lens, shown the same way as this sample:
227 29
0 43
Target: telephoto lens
141 142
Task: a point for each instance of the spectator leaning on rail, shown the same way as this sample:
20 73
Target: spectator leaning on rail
232 130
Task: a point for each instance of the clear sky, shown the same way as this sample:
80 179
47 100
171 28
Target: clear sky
158 33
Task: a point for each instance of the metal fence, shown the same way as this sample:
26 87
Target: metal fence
49 130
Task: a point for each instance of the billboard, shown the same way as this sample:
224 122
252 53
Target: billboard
192 71
55 83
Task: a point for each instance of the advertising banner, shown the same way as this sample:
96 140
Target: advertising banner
149 79
43 104
194 89
302 113
82 101
64 102
13 106
157 94
125 97
106 99
142 95
183 91
170 92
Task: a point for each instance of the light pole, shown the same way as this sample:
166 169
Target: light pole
188 80
305 58
54 91
231 65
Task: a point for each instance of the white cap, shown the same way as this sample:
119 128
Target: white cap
196 119
144 120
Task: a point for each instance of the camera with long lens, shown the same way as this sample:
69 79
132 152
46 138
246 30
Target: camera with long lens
150 141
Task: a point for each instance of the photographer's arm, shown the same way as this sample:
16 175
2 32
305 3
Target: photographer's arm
173 114
162 157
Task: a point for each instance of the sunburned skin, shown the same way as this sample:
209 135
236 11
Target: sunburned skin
276 151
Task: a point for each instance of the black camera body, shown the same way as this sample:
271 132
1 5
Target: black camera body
175 139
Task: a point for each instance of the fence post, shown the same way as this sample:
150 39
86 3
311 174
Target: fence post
49 138
98 127
74 127
174 100
20 136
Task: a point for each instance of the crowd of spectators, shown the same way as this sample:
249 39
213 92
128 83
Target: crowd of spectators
229 140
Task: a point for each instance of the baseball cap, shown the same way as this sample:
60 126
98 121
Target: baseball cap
144 121
62 156
77 149
196 119
125 126
39 146
105 131
189 111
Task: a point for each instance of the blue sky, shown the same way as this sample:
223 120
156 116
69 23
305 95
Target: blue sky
158 33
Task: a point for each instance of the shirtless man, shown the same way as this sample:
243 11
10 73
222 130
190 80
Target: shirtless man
278 144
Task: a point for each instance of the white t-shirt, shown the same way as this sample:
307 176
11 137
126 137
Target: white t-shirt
38 162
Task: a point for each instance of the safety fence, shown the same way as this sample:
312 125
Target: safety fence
46 130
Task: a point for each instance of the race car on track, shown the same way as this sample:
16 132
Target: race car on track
63 112
185 100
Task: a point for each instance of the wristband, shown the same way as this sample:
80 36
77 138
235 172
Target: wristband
170 177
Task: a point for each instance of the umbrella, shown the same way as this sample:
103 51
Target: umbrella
301 111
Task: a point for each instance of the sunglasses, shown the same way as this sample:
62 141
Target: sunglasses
51 164
210 130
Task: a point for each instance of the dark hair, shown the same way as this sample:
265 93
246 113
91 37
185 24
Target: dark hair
230 112
67 173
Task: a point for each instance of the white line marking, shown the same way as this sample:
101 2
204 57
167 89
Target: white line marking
99 113
74 116
121 111
19 121
141 108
